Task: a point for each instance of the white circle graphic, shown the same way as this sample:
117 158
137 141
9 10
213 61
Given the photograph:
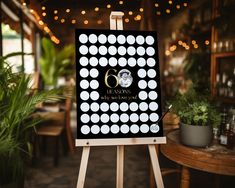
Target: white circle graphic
144 117
153 106
92 38
131 62
143 106
121 39
152 84
103 50
85 129
112 50
140 51
85 118
112 61
83 38
154 128
121 50
124 106
131 50
84 95
83 50
142 73
84 84
84 107
140 39
143 95
124 118
114 118
142 84
144 128
154 117
141 62
130 39
104 106
95 129
112 39
150 51
153 95
151 73
93 61
149 40
102 39
134 128
122 62
114 106
94 73
134 117
124 129
93 50
105 129
103 61
95 118
94 95
114 129
104 118
94 84
134 106
83 61
84 72
94 107
151 62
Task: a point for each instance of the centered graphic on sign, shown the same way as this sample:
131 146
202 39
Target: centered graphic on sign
118 84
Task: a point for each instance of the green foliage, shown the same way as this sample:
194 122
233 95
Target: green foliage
55 63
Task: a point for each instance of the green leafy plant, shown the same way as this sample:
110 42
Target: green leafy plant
55 63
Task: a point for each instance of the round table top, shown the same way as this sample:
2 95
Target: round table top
214 159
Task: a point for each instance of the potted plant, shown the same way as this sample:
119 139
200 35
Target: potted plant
197 116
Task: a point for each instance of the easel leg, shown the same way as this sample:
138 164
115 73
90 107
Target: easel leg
185 177
83 167
155 165
120 166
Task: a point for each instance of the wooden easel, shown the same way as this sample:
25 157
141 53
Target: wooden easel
117 24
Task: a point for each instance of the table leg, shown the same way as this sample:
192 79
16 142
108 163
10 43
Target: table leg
185 177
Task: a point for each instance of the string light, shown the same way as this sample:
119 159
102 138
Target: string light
167 52
156 5
130 13
43 8
120 2
170 2
127 20
168 11
73 21
67 10
108 6
62 20
158 13
44 14
24 4
185 4
207 42
83 12
86 22
55 11
97 9
178 6
40 22
194 42
56 17
137 18
99 22
141 10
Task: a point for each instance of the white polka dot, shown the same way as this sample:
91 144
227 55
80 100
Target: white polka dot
142 73
94 107
112 61
144 128
134 118
153 95
140 51
112 39
149 40
142 84
151 73
114 118
114 106
143 106
83 49
144 117
131 62
154 128
131 50
92 38
95 118
102 39
93 61
105 129
104 118
130 39
95 129
124 129
84 95
143 95
103 50
153 106
150 51
124 118
151 62
123 106
83 38
84 84
84 72
84 107
85 118
94 95
94 73
121 50
152 84
121 39
134 128
83 61
104 107
122 62
133 106
140 40
114 129
141 62
103 61
93 50
85 129
94 84
154 117
112 50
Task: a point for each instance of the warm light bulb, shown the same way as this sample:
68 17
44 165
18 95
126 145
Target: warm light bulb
178 6
137 18
67 10
185 4
207 42
86 22
170 2
99 22
83 12
156 5
56 17
55 11
108 6
141 10
127 20
167 52
97 9
168 11
194 42
130 13
120 2
158 13
73 21
43 8
62 20
40 22
44 14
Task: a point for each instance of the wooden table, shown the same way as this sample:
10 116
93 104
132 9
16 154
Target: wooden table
214 159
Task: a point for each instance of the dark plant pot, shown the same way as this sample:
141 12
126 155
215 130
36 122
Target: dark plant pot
194 135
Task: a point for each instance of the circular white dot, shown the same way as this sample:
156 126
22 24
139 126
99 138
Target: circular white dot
112 39
84 95
134 128
143 95
114 106
84 107
104 106
152 84
140 51
83 38
102 39
121 39
123 106
130 39
93 50
114 129
112 50
94 84
95 118
142 84
103 61
149 40
114 118
124 129
121 50
150 51
151 73
142 73
103 50
94 73
84 72
92 38
83 61
141 62
134 106
95 129
124 118
94 95
153 106
104 118
151 62
144 117
122 62
105 129
84 84
93 61
154 128
85 129
85 118
143 106
134 118
83 49
144 128
131 50
94 107
153 95
140 40
131 62
154 117
112 61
